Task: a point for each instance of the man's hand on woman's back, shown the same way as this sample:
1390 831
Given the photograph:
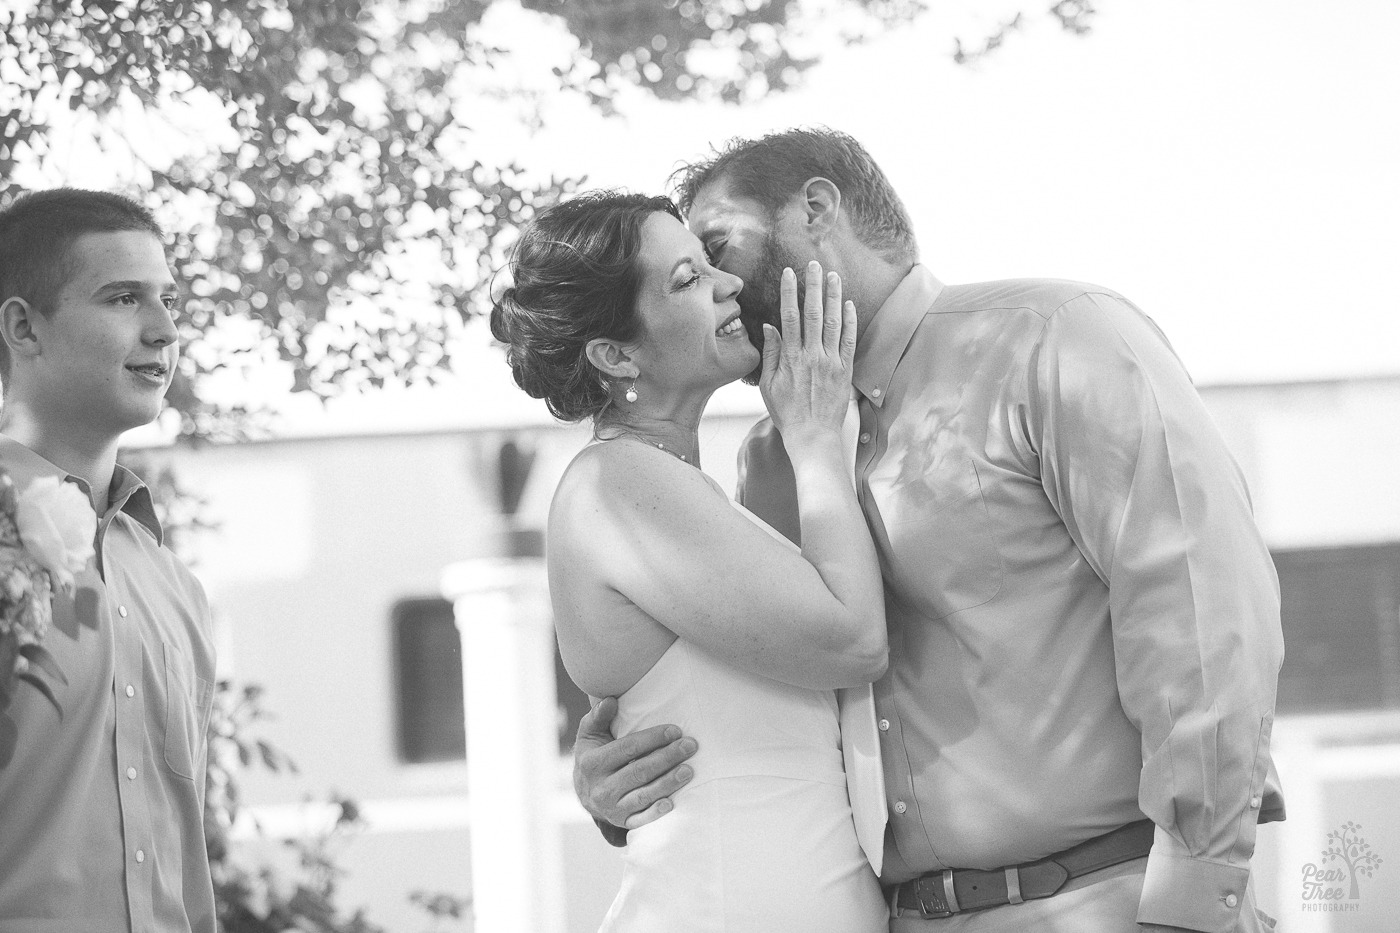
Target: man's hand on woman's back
628 782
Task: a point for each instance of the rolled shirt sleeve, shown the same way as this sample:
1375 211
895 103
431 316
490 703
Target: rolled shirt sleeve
1133 464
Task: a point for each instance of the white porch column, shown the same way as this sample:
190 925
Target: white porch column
503 617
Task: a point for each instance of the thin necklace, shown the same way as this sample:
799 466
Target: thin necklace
660 446
657 444
623 432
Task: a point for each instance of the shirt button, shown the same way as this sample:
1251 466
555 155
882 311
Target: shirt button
900 806
884 725
1231 900
140 855
130 690
874 393
131 774
865 437
121 611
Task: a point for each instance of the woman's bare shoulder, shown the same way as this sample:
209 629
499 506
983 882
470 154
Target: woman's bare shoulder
624 475
607 642
618 497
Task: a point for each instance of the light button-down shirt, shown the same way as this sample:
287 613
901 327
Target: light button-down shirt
101 809
1083 617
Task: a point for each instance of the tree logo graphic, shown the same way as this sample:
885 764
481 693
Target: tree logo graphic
1345 845
1347 857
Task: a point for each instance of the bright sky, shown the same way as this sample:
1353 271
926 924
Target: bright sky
1233 168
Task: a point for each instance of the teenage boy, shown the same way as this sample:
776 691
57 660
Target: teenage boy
101 805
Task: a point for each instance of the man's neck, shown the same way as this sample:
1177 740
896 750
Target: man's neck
879 282
91 458
867 277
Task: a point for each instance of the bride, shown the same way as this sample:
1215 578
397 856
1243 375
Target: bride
673 598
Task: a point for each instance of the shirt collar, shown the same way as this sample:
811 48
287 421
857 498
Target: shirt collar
128 493
134 498
880 346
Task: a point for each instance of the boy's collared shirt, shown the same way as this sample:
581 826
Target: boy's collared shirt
101 809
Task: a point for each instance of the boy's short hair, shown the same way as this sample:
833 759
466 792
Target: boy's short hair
37 232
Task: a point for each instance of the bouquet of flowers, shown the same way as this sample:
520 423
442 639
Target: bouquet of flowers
46 536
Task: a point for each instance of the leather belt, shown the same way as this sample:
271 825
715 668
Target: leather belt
941 894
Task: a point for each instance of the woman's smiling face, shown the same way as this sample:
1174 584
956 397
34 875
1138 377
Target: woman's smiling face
692 336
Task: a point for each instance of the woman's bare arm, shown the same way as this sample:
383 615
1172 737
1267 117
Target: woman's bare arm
661 535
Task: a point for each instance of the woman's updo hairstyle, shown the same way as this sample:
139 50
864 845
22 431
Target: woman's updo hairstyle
576 279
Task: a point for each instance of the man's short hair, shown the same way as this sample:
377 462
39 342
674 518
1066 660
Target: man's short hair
37 232
773 168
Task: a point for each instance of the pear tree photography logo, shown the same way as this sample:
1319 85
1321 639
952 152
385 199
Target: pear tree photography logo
1334 883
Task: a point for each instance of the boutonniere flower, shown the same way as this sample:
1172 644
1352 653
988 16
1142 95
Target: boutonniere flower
46 536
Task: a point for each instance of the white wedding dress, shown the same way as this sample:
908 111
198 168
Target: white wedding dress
761 839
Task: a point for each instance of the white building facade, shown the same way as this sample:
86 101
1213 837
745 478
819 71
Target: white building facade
327 573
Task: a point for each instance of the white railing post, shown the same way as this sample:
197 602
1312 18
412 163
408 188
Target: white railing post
503 617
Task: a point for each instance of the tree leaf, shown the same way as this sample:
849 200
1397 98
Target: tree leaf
39 656
43 687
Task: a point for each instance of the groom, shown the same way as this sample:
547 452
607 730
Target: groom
1084 620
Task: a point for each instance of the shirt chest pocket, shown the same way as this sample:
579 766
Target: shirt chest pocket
939 556
189 699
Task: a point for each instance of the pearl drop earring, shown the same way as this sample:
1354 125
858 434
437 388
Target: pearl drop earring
631 393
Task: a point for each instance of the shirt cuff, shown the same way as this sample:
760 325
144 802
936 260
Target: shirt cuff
1194 893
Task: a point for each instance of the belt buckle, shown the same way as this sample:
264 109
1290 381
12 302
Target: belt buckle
929 893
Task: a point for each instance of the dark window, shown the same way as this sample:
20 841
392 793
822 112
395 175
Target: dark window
428 657
1341 628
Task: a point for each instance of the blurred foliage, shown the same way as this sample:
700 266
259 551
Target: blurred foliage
733 50
347 181
446 910
264 899
347 172
1073 16
345 224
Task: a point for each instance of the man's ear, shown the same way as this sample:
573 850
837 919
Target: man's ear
821 206
17 327
611 358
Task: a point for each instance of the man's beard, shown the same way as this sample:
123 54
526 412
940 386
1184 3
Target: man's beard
760 300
